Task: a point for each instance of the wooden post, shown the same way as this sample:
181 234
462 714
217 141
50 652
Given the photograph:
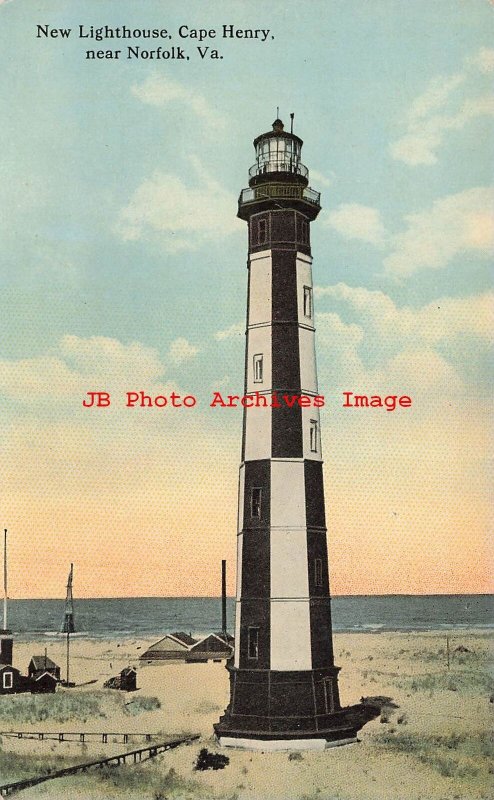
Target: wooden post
223 599
447 650
5 579
68 659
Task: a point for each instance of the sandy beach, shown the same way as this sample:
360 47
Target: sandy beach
432 746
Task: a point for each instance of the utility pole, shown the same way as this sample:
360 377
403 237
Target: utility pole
5 579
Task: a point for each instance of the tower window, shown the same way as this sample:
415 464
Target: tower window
262 231
8 680
304 231
255 502
314 435
318 572
308 301
253 643
258 368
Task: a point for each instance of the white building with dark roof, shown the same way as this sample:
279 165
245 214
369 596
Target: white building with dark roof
172 646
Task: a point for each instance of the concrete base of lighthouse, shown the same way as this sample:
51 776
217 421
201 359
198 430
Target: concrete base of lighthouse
272 710
273 745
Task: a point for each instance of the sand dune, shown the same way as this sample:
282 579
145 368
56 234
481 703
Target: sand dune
434 746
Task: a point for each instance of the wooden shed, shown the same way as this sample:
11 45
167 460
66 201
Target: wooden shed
172 646
44 683
126 681
39 665
11 680
216 646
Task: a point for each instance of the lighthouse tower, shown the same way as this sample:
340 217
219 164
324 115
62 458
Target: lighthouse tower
283 681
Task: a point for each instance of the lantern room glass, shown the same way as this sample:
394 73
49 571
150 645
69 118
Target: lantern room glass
278 154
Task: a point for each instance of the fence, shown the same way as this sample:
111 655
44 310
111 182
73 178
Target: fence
151 751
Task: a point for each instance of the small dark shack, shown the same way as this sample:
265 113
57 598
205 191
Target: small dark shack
126 681
215 646
172 646
39 665
11 680
44 683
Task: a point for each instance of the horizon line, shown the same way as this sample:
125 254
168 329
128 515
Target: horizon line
233 597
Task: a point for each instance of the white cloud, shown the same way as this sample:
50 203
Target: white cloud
383 367
45 376
483 60
355 221
454 224
181 350
435 96
441 108
237 329
420 144
102 357
434 353
321 180
160 91
339 342
425 372
79 365
184 216
403 326
417 148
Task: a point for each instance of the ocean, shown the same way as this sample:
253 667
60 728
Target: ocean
154 616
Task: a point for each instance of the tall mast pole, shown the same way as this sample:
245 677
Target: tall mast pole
68 648
69 617
5 579
223 600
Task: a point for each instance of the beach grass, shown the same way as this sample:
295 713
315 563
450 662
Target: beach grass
58 707
70 706
468 672
16 766
466 681
453 756
150 782
140 704
127 780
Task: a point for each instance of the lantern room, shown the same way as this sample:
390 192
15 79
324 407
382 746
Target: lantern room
279 152
278 179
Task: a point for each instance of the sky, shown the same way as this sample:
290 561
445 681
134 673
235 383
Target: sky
123 268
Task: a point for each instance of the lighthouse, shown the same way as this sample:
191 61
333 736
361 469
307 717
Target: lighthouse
283 680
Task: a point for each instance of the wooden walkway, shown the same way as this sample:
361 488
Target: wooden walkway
142 754
71 736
